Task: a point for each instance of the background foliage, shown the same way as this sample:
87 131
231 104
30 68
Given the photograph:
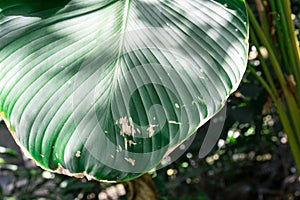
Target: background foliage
252 159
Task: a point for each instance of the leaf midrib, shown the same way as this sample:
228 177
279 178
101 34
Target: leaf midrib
117 65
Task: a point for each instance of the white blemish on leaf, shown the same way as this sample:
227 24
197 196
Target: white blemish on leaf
87 176
174 122
119 149
77 154
138 130
125 143
127 126
132 126
105 132
131 161
177 105
150 130
112 156
61 170
42 155
131 143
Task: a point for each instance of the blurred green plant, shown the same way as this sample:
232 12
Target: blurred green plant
276 42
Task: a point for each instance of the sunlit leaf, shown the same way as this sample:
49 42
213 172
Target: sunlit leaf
104 88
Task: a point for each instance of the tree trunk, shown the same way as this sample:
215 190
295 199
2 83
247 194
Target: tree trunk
141 188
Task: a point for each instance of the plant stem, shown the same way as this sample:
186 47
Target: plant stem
290 40
263 63
291 118
263 82
291 28
295 147
263 18
279 35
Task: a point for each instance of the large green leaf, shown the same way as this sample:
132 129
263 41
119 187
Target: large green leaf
105 88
